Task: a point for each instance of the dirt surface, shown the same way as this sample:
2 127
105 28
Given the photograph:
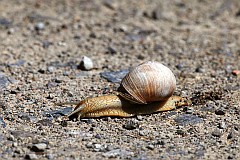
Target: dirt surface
41 46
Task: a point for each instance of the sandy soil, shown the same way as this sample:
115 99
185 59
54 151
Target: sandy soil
42 43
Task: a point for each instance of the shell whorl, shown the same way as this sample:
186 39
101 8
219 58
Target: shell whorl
148 82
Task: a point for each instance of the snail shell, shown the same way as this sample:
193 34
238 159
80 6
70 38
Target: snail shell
150 81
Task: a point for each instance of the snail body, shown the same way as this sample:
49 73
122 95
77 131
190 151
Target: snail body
147 89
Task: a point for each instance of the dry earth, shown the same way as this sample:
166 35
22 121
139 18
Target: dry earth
42 43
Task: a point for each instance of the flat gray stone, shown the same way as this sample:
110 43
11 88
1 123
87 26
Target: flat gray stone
115 77
186 119
117 153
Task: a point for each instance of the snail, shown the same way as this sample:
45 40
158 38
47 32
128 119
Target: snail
146 89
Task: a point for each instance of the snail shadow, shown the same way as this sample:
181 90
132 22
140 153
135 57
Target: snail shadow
144 109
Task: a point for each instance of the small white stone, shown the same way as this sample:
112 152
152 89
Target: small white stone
86 63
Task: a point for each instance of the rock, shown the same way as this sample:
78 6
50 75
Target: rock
26 117
4 81
130 125
111 50
186 119
5 22
139 117
115 77
50 69
150 146
50 156
118 153
2 123
40 147
46 44
200 70
97 146
236 72
40 26
18 63
189 110
157 14
219 112
85 64
110 4
64 123
45 122
142 133
181 132
89 145
57 113
31 156
216 133
222 125
233 134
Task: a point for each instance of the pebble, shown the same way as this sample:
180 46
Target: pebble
50 156
11 30
123 28
40 26
115 77
130 125
219 112
57 113
45 122
110 4
50 69
233 134
209 107
82 74
5 22
85 64
117 153
236 72
40 147
135 37
97 146
26 117
111 50
139 117
64 123
216 133
150 146
222 125
181 132
31 156
200 70
179 66
2 122
186 119
142 133
89 145
46 44
14 144
18 63
157 14
18 150
4 81
188 110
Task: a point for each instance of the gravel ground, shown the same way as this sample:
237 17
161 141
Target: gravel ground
41 46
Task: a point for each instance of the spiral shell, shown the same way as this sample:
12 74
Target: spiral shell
150 81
